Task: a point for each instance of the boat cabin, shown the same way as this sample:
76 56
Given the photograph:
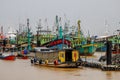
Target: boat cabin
68 55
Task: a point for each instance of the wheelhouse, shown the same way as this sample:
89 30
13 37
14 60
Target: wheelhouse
68 55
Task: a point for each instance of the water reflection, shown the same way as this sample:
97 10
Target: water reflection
109 75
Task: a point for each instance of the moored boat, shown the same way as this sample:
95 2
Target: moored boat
22 54
65 58
87 49
7 57
85 46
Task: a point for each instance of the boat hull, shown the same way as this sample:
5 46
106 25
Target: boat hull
57 44
22 56
66 58
64 65
116 51
86 50
102 49
10 57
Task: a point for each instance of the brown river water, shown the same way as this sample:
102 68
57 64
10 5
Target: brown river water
23 70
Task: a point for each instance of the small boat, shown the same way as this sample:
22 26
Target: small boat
7 56
22 55
65 58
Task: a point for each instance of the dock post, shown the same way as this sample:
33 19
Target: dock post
108 53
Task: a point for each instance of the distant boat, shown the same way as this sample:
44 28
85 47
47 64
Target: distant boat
5 56
101 42
116 49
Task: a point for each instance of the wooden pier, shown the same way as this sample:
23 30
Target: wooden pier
100 66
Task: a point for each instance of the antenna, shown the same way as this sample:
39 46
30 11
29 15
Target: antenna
79 28
39 24
28 24
106 26
1 29
66 25
54 28
57 23
38 30
46 25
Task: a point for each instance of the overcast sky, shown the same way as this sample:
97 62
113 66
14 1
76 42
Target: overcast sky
97 16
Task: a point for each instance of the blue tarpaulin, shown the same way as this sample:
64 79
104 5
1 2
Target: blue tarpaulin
25 51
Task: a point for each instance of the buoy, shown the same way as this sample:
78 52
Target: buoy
35 60
32 61
56 62
46 61
40 61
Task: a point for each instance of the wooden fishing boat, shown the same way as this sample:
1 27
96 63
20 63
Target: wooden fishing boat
65 58
7 57
85 46
86 50
60 40
57 44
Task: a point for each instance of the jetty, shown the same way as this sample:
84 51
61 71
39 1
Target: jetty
106 63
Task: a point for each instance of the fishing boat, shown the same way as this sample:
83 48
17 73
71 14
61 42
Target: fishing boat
5 56
59 41
115 39
57 44
79 42
86 50
65 58
22 54
85 46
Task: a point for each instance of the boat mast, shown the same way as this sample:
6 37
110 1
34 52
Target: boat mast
57 25
66 25
29 35
46 26
2 32
79 28
79 36
60 29
38 30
